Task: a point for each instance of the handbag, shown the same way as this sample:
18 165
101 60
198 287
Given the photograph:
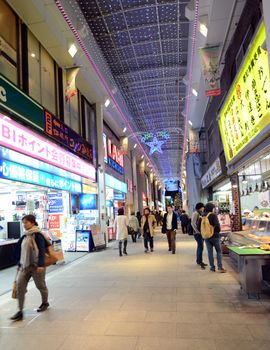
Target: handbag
50 256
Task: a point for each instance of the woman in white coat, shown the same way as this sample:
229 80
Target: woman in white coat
121 229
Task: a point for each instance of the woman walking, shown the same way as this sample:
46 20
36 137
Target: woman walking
148 225
121 229
134 225
30 254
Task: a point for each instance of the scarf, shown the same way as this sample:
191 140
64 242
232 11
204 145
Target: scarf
29 248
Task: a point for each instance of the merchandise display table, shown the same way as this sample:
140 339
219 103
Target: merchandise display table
7 250
253 267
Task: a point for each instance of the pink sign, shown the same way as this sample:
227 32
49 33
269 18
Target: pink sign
19 138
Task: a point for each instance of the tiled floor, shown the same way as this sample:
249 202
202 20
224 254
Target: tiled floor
139 302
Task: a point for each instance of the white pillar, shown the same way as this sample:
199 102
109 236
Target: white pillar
266 15
135 182
101 171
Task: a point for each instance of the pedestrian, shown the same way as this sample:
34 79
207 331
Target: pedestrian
134 225
195 223
184 221
30 256
210 226
121 229
148 226
169 227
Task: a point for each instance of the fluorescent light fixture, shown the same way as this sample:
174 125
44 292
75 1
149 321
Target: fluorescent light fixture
72 50
135 145
203 29
107 103
195 92
244 180
125 129
142 156
190 122
234 186
33 55
148 164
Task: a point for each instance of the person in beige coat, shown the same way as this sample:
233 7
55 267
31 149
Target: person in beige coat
149 224
121 229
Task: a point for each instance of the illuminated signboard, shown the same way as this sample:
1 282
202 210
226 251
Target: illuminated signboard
19 138
114 183
114 157
105 148
14 171
246 110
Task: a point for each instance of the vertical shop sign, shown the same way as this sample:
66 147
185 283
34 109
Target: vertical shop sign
71 89
105 148
124 145
194 141
245 113
210 69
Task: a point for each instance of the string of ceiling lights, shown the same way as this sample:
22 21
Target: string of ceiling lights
107 88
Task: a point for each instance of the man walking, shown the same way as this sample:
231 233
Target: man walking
169 227
195 223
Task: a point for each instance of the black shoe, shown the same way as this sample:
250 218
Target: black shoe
202 266
125 253
169 250
212 269
173 252
152 250
43 307
17 317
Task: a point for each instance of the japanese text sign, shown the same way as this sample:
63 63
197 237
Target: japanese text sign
60 132
19 138
246 110
14 171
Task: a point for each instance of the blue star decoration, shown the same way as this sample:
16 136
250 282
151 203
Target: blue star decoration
155 145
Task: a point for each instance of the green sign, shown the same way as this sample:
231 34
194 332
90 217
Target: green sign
16 102
246 111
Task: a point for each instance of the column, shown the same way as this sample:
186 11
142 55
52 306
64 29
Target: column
266 15
101 171
135 182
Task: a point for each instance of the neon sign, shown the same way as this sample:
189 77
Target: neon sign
19 138
113 156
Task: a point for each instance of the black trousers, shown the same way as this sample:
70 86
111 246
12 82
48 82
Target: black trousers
148 239
184 228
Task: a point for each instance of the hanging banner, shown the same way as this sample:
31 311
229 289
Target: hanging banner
210 70
141 167
71 89
124 145
194 141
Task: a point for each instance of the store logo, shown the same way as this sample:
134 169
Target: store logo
115 154
3 94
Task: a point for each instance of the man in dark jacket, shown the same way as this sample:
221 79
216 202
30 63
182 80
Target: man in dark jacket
169 227
184 221
214 241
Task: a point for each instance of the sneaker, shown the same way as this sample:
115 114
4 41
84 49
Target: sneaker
17 317
221 270
202 266
212 269
43 307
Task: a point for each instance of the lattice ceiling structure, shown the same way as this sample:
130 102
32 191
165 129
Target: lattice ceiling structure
145 43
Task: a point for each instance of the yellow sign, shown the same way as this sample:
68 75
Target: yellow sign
246 110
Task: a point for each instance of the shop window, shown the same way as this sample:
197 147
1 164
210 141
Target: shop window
42 74
8 42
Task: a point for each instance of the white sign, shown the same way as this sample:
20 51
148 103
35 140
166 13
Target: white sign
213 172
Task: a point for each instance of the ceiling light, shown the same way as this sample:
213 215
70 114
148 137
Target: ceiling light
107 103
148 164
190 122
124 130
244 180
203 29
33 55
195 92
142 156
135 145
234 186
72 50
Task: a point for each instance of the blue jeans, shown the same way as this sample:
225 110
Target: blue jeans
210 244
199 253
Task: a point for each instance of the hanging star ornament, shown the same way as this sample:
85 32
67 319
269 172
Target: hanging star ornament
155 145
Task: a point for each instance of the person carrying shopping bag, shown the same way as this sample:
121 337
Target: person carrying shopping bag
121 229
30 256
149 224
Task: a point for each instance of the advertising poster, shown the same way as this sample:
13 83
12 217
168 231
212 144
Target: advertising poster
54 221
98 236
245 113
55 203
194 141
210 70
82 241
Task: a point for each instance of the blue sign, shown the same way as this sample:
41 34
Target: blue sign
55 203
114 183
115 166
118 195
109 204
88 201
14 171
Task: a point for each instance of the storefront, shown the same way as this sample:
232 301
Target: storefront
245 130
38 176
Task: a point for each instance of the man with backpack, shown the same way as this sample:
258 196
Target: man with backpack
196 225
210 229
